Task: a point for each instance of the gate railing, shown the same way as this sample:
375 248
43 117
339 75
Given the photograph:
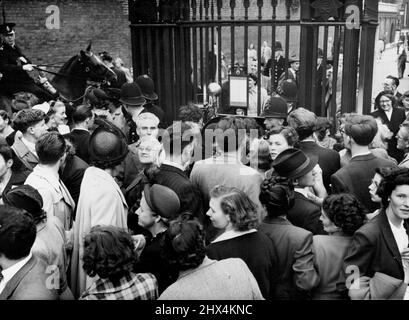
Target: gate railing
186 44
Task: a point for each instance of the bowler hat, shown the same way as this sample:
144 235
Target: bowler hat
162 200
289 90
131 94
276 107
278 46
7 28
293 163
293 57
147 87
107 145
25 197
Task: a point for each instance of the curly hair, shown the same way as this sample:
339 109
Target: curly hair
240 208
345 211
289 133
277 195
190 112
397 177
108 252
183 245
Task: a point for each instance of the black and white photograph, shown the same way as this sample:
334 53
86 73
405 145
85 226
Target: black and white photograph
190 152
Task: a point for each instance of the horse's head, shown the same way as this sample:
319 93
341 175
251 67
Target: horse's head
94 68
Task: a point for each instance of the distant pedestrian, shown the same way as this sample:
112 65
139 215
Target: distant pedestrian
402 60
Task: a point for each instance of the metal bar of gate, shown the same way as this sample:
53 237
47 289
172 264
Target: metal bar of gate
194 51
273 48
207 67
232 6
260 17
201 48
219 40
214 61
324 74
246 4
334 105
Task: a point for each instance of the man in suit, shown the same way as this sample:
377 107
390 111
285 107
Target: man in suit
380 245
32 125
83 120
22 275
304 121
296 166
292 73
392 117
391 83
358 132
179 143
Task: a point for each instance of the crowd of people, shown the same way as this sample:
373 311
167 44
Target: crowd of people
107 201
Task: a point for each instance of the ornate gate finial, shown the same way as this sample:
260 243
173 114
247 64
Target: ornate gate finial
326 9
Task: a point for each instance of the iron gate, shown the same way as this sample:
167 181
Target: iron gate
182 45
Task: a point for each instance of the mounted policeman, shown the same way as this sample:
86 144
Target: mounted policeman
14 67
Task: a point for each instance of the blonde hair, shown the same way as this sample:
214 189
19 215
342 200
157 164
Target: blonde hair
146 116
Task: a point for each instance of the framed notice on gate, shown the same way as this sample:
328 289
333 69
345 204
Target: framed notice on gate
239 96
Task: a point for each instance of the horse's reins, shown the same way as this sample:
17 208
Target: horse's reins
58 73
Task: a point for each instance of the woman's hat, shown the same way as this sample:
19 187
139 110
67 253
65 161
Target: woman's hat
25 197
293 163
162 200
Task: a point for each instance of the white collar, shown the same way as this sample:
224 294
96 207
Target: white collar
173 164
361 154
303 191
10 272
80 129
232 234
31 146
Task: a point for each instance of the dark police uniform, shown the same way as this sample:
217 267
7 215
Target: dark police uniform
279 68
16 79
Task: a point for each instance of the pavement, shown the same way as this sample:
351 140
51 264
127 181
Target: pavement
388 66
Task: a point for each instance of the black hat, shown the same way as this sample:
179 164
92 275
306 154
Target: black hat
107 145
147 86
293 163
7 28
162 200
289 90
278 46
276 107
25 197
131 94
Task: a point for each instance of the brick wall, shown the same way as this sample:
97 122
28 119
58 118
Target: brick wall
105 22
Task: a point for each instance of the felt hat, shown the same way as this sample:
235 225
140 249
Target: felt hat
131 94
293 163
276 107
107 144
289 90
147 87
25 197
162 200
293 57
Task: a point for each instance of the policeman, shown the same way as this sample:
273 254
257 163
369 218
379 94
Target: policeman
14 66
